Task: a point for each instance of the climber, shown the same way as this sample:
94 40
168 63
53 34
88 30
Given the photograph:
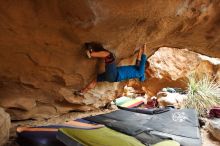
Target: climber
112 72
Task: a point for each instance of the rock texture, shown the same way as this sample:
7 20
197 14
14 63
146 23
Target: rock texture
5 124
34 106
170 67
173 63
214 128
41 60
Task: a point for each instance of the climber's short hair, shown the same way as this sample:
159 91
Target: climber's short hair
93 46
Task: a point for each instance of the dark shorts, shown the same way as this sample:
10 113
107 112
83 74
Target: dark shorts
110 74
111 71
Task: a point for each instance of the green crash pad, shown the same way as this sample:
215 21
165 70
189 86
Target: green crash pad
99 137
167 143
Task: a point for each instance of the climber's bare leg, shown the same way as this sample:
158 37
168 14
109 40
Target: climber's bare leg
89 86
141 51
139 54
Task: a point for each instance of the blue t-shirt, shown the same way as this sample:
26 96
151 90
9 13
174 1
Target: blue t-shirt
132 71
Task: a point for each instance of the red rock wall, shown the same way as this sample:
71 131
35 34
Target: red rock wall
170 67
41 61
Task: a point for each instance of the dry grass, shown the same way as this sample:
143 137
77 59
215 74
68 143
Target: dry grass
203 93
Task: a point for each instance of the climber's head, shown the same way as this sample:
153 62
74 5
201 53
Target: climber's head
93 46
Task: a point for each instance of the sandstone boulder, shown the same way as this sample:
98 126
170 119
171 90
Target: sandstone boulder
41 59
170 67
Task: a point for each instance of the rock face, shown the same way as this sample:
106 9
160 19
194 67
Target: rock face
173 63
44 107
5 124
41 60
170 67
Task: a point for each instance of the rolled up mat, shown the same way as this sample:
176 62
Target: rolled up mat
38 138
167 143
122 100
129 102
133 103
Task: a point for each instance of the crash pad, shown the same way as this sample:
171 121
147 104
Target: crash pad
129 102
96 137
180 125
167 143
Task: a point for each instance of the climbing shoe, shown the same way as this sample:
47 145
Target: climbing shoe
79 93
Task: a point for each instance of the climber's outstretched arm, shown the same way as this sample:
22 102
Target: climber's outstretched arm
101 54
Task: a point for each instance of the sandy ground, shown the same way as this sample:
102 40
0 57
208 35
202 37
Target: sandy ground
207 139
